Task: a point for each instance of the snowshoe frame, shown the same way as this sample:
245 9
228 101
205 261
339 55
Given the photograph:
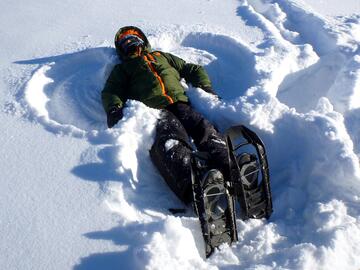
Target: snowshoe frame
255 201
215 230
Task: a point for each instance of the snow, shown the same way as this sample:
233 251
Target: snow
170 144
76 195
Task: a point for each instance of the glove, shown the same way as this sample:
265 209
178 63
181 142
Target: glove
210 90
114 115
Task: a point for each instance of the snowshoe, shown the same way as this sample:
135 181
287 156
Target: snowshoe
249 173
213 205
246 180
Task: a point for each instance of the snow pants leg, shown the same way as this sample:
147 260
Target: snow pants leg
171 152
204 134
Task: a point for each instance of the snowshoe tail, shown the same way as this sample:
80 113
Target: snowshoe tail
249 172
213 205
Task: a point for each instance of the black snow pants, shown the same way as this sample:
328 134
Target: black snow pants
171 151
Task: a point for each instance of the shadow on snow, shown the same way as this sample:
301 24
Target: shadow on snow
232 72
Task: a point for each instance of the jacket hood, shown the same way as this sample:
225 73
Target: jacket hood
130 30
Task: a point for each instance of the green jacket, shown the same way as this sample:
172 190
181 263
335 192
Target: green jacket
152 78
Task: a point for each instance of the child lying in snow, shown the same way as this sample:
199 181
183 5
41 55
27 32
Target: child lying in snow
153 77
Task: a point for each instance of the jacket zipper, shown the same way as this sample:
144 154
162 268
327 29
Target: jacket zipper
163 90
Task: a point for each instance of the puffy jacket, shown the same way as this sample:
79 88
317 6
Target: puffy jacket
153 77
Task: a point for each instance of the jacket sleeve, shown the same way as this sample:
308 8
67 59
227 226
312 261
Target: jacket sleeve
194 74
113 93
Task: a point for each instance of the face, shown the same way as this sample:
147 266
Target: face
130 44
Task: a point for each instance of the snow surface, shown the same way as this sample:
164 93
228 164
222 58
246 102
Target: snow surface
76 195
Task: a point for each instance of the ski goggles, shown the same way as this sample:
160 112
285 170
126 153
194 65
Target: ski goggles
128 42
